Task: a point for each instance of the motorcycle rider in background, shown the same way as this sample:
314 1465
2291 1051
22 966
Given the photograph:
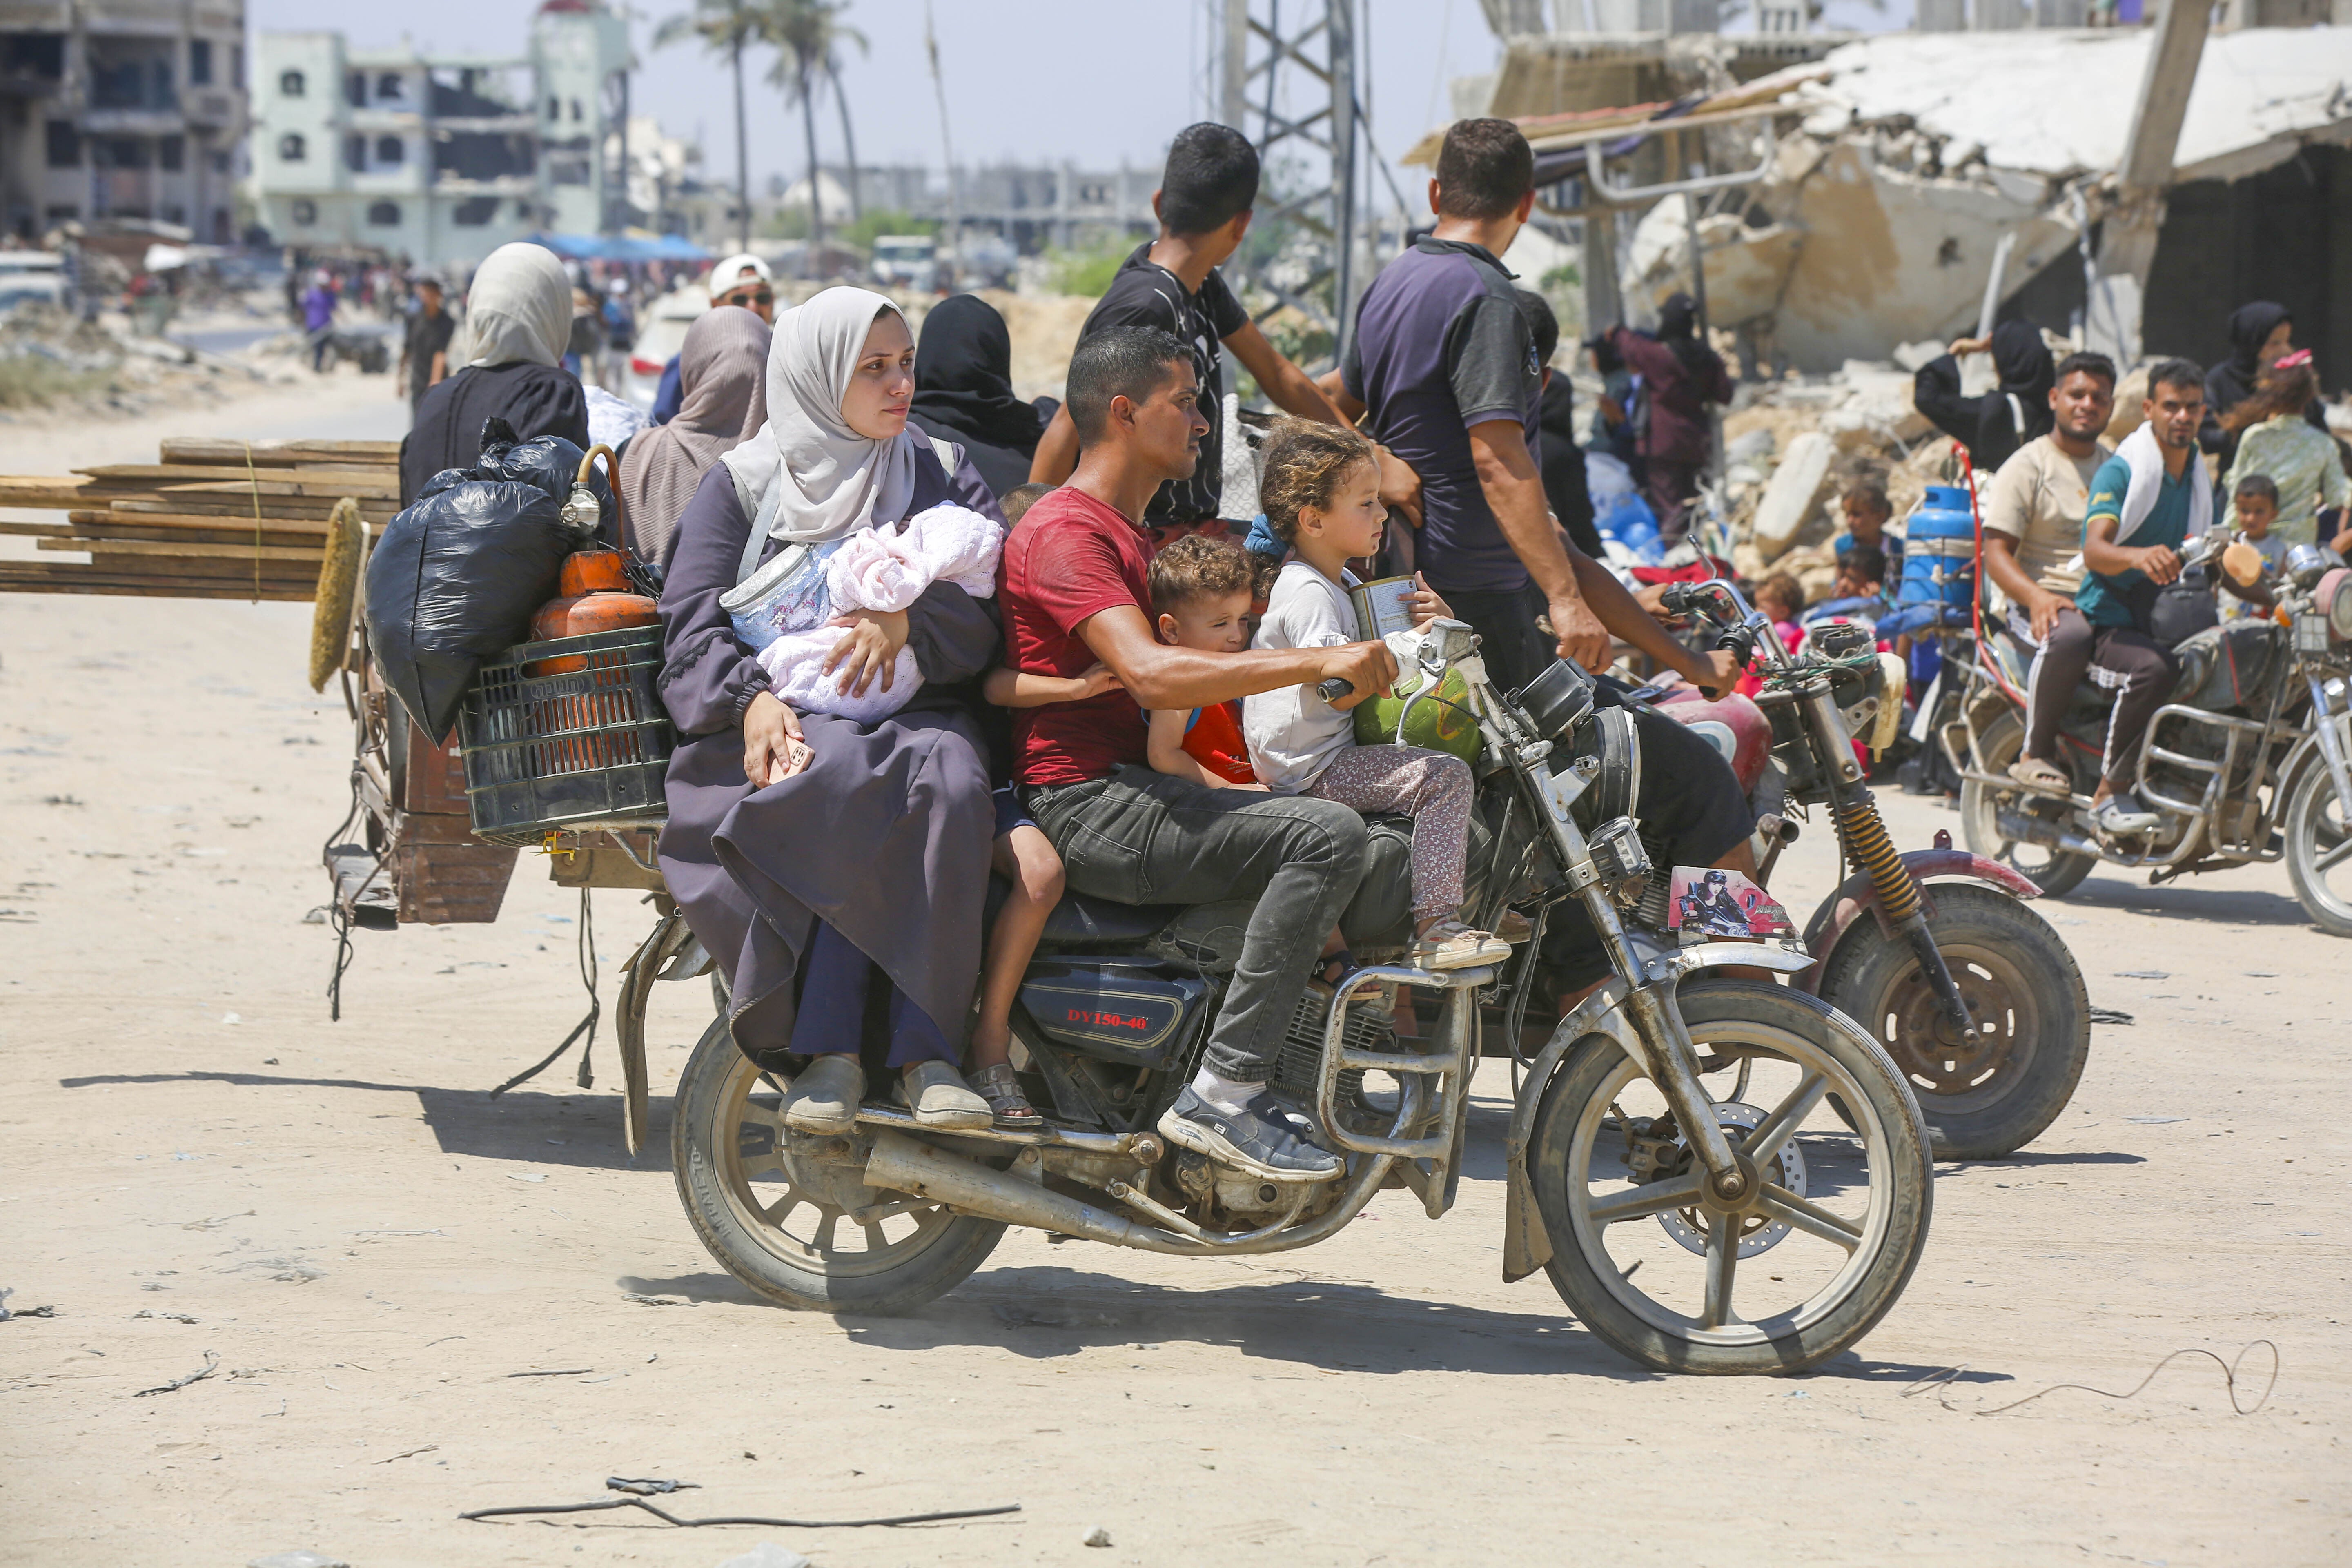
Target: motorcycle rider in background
2034 512
2146 501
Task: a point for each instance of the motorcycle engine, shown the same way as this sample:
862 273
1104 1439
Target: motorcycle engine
1298 1062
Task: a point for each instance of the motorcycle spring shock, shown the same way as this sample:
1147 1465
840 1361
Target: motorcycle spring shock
1868 846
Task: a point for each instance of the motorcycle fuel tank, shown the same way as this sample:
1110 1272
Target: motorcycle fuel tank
1122 1012
2225 667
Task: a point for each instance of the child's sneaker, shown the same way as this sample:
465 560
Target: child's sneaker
1450 944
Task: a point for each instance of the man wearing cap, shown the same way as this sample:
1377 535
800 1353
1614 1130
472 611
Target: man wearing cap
424 352
742 279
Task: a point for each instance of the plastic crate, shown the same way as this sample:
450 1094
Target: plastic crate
567 735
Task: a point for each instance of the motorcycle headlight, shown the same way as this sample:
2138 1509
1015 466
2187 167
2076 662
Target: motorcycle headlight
2333 598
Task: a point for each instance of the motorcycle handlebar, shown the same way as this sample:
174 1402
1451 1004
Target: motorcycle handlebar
1334 689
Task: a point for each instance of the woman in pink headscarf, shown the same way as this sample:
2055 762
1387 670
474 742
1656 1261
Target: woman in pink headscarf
722 375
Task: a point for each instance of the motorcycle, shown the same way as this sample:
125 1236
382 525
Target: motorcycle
1974 996
2246 763
1651 1156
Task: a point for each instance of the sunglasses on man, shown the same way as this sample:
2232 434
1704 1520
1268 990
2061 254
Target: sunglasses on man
748 297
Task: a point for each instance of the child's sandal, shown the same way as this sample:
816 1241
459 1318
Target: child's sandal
1000 1086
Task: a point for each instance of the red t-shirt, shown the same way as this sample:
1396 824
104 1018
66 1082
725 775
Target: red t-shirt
1070 558
1213 738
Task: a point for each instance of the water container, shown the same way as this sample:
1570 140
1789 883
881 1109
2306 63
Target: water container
1940 550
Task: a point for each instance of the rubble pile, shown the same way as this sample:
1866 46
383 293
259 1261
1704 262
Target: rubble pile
1792 445
52 362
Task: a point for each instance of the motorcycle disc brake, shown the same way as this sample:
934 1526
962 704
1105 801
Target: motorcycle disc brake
1758 1234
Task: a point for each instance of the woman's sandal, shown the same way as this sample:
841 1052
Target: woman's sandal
1000 1086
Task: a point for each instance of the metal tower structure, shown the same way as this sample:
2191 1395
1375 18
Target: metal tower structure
1288 82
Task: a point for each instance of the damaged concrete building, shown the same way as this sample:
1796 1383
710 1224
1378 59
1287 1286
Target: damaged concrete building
1853 195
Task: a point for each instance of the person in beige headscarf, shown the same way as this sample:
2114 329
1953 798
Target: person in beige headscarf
518 318
807 850
723 376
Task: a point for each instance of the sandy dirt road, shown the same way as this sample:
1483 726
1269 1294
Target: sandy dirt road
195 1166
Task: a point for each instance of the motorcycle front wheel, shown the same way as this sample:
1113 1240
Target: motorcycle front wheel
1996 1090
1833 1221
2057 872
799 1230
2319 851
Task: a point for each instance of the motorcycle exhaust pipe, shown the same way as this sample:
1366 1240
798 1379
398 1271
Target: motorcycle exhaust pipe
2027 830
902 1164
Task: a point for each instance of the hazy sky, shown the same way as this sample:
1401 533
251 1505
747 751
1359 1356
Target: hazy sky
1090 81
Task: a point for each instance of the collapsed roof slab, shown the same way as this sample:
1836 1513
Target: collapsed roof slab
2059 103
1859 256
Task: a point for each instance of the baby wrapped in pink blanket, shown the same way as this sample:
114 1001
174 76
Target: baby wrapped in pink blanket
883 569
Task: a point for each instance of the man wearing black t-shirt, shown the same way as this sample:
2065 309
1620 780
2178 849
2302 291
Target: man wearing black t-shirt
1172 283
425 354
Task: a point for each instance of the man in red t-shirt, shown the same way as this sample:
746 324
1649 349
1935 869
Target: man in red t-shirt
1073 590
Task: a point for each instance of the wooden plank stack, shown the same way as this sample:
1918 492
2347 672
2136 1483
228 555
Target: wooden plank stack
210 519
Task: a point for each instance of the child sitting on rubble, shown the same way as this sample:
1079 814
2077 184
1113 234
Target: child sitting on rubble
2254 503
1867 512
1321 491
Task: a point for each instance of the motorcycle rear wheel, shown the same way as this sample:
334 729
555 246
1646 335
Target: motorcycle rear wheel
2004 1088
1681 1318
2318 845
777 1225
2057 872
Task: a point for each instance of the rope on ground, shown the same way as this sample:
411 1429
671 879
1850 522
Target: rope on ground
667 1518
587 1026
1942 1379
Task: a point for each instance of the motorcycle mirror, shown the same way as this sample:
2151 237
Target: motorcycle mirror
2244 562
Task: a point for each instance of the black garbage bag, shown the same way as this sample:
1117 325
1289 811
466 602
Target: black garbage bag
456 578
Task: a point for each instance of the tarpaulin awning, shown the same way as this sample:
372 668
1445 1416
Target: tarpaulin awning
623 247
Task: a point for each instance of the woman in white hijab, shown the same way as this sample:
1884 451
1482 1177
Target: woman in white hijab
518 318
814 843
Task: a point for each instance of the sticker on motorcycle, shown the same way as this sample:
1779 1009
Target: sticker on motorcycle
1714 902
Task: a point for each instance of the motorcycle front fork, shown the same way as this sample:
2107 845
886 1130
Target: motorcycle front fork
1861 835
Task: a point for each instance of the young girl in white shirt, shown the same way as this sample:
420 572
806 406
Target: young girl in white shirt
1321 491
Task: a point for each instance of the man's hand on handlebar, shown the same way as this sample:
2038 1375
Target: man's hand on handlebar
773 747
1369 668
2159 564
1724 669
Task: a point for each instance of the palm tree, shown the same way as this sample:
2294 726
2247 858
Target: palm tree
724 27
808 36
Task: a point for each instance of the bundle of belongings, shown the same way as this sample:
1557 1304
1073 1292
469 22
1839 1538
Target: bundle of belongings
457 578
788 611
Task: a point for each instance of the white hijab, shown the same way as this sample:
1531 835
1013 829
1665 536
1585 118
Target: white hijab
519 308
807 477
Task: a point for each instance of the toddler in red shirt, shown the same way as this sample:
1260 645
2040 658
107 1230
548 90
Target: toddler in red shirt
1201 598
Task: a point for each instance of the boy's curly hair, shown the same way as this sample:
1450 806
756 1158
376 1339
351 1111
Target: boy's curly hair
1197 567
1305 461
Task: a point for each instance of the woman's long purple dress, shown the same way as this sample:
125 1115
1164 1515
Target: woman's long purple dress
886 836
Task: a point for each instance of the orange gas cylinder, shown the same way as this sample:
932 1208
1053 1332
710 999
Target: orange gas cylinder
579 614
593 570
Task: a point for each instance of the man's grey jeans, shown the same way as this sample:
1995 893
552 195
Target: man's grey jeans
1143 837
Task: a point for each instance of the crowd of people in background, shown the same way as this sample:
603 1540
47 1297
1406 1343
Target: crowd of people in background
1150 723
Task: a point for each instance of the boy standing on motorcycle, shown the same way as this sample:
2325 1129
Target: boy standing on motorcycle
2034 512
2146 500
1074 589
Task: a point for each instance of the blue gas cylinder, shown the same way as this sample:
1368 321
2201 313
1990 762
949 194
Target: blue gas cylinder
1940 550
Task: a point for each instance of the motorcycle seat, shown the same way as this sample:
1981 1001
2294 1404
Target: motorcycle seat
1080 919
